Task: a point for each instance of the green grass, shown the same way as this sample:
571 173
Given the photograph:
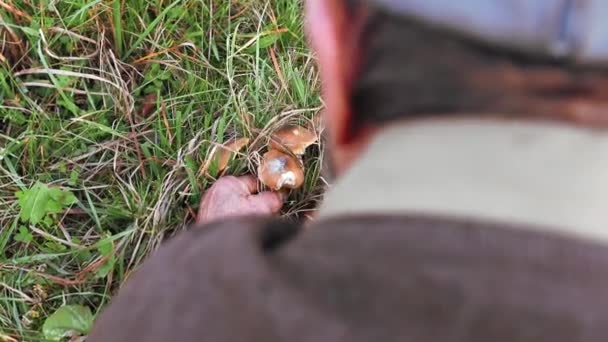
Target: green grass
120 102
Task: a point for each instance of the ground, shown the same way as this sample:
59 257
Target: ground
108 111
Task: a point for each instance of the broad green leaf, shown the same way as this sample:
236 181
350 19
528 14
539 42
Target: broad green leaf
24 235
52 247
62 197
106 248
268 40
264 42
67 321
106 268
83 255
47 221
56 194
53 207
40 200
73 177
33 203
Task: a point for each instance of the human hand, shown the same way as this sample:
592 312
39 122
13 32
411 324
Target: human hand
237 196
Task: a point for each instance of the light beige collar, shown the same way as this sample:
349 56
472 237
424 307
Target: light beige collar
544 175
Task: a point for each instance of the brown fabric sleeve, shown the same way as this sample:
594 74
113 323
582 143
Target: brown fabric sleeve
365 279
214 283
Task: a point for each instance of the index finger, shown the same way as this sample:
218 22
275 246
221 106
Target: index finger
268 202
249 183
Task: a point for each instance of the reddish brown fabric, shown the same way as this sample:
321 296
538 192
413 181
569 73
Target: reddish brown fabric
364 279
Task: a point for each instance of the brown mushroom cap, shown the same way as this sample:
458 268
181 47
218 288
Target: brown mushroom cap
294 138
221 154
278 170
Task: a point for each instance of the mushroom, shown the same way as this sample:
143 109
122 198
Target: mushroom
221 154
292 138
278 170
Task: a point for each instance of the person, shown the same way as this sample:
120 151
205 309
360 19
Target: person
468 139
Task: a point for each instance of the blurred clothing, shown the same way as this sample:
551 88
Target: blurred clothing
545 175
460 232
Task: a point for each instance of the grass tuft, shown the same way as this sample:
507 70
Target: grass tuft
119 103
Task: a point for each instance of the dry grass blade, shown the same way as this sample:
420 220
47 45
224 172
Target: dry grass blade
277 68
46 84
148 105
21 294
6 338
15 11
318 122
45 71
72 34
66 58
12 47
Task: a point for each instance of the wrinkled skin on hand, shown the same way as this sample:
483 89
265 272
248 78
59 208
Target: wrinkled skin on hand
237 196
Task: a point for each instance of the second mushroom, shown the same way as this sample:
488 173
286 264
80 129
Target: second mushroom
281 167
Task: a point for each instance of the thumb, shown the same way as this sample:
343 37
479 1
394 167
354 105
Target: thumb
271 202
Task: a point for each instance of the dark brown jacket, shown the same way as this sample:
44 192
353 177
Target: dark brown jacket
407 278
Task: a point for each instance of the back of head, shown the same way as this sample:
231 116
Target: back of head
509 58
